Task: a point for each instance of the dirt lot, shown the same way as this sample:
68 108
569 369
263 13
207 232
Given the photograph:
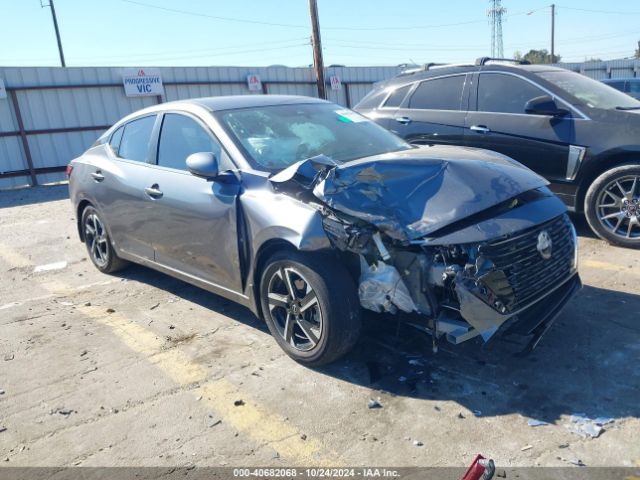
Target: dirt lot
140 369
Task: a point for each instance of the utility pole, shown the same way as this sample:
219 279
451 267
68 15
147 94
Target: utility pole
495 14
318 63
55 26
553 33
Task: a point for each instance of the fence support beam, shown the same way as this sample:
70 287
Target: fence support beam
23 137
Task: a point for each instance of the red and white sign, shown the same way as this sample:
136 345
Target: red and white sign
336 84
254 83
141 82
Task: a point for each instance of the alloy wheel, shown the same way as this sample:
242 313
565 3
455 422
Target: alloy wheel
618 207
96 238
294 308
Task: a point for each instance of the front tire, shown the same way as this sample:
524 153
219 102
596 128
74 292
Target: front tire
311 306
612 206
99 247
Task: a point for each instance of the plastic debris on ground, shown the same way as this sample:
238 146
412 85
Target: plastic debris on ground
373 403
536 423
585 427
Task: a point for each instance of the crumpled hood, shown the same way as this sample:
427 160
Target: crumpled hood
413 193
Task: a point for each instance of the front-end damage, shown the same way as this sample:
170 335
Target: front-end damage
453 242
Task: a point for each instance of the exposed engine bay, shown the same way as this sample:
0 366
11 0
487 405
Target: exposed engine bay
462 246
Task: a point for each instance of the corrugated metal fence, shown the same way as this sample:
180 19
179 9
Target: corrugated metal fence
608 69
52 115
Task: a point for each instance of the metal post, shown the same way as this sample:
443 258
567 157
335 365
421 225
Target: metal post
318 63
553 33
55 26
23 136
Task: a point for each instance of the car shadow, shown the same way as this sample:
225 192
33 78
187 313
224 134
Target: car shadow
582 227
586 363
31 195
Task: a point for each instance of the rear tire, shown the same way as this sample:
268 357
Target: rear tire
612 206
99 247
310 304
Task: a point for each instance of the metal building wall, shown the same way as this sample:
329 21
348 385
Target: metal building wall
51 114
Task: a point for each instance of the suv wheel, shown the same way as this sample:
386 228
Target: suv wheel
98 242
311 307
612 206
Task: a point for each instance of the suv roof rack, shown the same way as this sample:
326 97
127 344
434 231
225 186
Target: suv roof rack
483 61
433 65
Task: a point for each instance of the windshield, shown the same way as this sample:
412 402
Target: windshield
592 93
275 137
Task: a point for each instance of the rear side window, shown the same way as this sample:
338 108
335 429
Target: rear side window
504 93
439 94
136 139
633 87
180 137
115 140
397 96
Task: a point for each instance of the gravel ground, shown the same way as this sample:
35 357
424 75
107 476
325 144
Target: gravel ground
139 369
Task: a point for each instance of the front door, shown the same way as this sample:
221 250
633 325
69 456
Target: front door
499 122
194 219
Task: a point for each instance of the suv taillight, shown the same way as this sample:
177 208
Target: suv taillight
69 170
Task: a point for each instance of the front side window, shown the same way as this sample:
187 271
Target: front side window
136 139
277 136
180 137
505 93
439 94
590 92
633 87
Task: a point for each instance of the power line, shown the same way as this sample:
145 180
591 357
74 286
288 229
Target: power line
608 12
289 25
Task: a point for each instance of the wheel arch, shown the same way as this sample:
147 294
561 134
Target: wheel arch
606 162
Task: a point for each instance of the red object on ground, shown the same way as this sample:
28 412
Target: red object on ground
480 469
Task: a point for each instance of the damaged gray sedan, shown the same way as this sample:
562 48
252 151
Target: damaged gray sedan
307 212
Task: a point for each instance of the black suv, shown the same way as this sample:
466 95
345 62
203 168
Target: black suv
580 134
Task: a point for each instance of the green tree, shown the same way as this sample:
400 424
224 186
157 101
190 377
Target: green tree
538 56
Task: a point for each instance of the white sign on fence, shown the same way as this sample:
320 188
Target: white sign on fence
3 90
336 84
254 83
142 82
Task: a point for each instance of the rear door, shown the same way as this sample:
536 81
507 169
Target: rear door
119 186
194 220
434 112
498 122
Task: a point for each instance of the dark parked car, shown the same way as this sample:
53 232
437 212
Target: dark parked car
305 212
580 134
630 86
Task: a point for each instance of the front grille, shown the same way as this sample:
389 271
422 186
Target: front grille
531 276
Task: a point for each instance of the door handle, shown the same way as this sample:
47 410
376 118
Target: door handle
153 191
403 120
97 175
480 129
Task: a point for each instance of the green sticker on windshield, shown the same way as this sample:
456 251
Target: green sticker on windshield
344 119
348 116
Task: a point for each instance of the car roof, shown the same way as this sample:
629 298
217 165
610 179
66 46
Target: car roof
231 102
494 66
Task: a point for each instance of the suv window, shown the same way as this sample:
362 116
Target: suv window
397 96
136 138
180 137
504 93
443 93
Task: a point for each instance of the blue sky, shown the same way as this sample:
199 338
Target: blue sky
267 32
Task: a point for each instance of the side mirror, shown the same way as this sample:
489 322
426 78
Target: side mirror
544 105
203 164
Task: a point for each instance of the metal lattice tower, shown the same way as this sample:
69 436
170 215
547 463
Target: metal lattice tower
495 14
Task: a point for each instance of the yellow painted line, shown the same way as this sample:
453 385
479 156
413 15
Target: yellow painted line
611 267
252 419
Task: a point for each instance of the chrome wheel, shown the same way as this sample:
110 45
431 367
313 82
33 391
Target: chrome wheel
294 308
618 207
96 239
